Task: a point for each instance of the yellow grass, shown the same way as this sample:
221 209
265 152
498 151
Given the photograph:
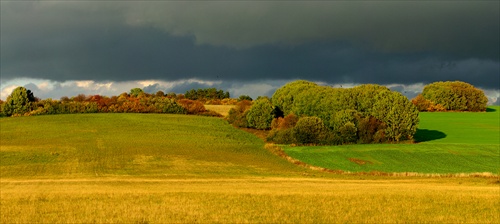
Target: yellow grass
249 200
221 109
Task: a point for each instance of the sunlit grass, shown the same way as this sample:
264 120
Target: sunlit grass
268 200
153 168
450 142
83 145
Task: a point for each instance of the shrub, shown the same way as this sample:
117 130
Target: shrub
310 130
260 115
237 115
192 106
456 96
368 128
286 122
282 136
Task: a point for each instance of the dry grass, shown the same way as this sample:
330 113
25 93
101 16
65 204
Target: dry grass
249 200
221 109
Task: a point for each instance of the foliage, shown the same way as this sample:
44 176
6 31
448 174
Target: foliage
282 129
310 130
192 106
260 115
206 94
351 115
399 115
287 122
19 102
143 103
283 98
135 92
245 97
237 116
455 96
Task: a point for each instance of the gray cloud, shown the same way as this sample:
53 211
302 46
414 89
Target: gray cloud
335 42
461 27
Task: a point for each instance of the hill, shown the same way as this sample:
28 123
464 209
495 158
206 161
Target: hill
155 168
448 142
83 145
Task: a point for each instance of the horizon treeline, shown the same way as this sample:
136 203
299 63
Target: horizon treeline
22 102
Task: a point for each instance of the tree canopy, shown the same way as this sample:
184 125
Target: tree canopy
451 96
19 102
366 113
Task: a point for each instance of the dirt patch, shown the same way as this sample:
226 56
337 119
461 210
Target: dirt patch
360 161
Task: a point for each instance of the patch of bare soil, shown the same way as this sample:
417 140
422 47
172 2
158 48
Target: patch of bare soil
360 161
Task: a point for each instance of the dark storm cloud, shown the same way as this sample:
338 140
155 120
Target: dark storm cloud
335 42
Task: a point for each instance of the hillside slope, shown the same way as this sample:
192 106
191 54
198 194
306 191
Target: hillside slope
82 145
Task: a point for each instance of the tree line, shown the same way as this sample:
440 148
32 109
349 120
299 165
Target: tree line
22 102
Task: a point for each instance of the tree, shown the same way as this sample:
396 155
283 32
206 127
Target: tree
260 114
310 130
19 102
284 96
136 91
455 96
398 114
245 97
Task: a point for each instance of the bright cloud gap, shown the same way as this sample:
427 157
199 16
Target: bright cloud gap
44 89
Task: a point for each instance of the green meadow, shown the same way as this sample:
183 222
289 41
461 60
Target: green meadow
143 145
447 142
157 168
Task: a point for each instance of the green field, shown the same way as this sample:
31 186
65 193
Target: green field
143 145
154 168
448 142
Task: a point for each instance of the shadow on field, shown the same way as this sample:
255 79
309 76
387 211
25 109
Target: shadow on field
425 135
489 109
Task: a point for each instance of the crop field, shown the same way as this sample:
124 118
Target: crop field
221 109
156 168
448 142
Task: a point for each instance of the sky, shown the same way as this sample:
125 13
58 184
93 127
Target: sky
66 48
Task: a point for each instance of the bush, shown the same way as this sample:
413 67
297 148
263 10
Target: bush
368 128
260 115
192 106
310 130
237 115
282 136
286 122
455 96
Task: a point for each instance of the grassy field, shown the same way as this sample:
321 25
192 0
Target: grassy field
89 145
254 200
153 168
448 143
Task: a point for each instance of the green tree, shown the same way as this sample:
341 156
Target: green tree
135 92
19 102
245 97
284 97
310 130
260 114
398 114
455 96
